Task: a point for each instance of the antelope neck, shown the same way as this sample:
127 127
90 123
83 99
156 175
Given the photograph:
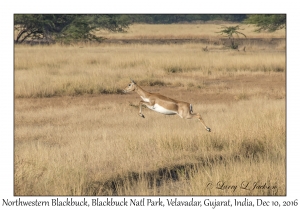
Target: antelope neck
141 92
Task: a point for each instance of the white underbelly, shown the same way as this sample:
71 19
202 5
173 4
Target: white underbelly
145 99
161 109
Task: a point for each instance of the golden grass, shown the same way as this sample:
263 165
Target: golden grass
57 71
100 146
81 149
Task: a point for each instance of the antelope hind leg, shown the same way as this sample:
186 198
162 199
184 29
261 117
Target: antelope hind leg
198 116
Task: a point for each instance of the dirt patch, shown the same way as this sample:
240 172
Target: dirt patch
216 41
219 90
209 41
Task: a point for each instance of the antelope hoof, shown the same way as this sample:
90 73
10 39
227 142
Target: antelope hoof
208 129
141 115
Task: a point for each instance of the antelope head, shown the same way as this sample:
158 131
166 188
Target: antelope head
131 86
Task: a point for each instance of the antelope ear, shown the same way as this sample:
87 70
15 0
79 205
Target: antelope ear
132 81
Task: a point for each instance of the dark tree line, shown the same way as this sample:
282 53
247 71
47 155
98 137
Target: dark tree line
177 18
81 27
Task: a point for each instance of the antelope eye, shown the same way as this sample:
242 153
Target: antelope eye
129 84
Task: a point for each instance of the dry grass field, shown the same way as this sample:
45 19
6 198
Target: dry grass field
185 31
76 133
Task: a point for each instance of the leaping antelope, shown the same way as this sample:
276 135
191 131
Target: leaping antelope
163 104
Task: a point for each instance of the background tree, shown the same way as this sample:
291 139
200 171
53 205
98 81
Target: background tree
269 23
66 28
229 32
39 26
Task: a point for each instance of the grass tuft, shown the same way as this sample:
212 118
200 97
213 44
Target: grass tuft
252 148
173 69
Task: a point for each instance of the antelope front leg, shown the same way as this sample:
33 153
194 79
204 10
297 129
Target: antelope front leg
140 104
